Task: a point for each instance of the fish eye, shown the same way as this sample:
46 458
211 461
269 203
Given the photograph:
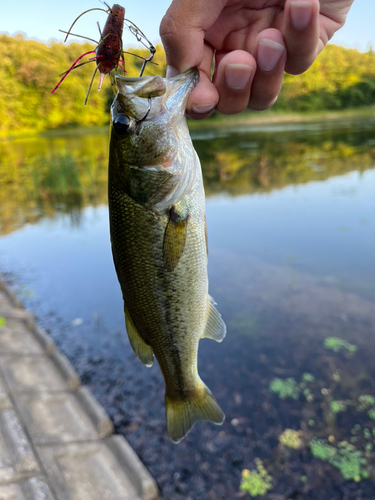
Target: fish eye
123 124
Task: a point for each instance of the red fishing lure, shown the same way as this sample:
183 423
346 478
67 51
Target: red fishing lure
109 54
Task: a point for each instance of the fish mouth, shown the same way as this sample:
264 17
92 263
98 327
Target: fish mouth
135 94
184 82
179 89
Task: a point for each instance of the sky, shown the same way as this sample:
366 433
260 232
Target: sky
41 20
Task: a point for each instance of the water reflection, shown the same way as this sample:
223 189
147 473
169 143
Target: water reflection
63 174
291 229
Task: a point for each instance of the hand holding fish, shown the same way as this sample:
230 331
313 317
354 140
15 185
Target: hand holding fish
254 41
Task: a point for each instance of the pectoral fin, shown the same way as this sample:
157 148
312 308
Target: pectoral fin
215 326
174 239
142 350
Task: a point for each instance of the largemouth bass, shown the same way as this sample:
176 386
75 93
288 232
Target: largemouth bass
159 244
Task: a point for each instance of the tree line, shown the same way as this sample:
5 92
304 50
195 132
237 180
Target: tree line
340 78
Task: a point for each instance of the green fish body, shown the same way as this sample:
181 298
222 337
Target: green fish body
159 245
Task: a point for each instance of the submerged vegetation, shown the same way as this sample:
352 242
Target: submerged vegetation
339 79
256 482
291 439
345 457
336 344
289 387
353 453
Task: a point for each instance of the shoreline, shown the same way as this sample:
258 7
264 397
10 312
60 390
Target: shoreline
270 117
247 118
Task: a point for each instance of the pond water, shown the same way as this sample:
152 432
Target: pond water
291 231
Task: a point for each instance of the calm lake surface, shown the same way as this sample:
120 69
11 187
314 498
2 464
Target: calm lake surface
291 232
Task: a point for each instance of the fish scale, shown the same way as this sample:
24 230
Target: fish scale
157 225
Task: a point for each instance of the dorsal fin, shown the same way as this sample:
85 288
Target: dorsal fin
215 326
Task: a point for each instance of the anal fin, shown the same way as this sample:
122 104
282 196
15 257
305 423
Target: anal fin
215 326
142 350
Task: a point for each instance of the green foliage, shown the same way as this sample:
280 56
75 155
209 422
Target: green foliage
371 413
366 433
346 458
336 344
308 377
365 401
285 388
29 72
291 439
338 406
2 321
256 482
340 78
290 388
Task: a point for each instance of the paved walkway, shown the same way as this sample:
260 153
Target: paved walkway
56 441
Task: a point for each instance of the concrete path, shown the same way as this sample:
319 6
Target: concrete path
56 441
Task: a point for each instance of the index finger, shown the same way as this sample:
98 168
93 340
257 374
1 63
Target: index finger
183 29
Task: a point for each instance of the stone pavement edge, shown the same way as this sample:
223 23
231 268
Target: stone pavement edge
56 440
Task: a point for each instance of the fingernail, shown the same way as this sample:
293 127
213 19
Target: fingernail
237 76
300 13
269 54
203 109
171 72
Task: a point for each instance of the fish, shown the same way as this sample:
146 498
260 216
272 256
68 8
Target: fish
159 240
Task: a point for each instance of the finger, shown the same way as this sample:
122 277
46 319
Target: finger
234 74
183 28
270 57
301 34
203 99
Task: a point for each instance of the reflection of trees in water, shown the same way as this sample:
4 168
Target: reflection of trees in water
269 162
42 176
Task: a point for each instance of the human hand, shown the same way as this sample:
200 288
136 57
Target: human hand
252 41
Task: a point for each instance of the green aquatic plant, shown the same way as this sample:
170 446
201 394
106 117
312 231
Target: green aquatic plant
371 413
288 387
338 406
308 377
365 401
336 344
291 439
346 458
256 482
285 388
2 321
366 433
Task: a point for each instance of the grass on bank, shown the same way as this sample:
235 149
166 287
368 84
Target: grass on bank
217 121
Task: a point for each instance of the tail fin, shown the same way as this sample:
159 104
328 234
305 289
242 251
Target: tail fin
182 415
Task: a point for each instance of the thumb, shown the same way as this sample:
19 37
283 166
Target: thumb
182 31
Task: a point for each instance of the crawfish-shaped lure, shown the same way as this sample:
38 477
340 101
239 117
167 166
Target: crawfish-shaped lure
109 53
